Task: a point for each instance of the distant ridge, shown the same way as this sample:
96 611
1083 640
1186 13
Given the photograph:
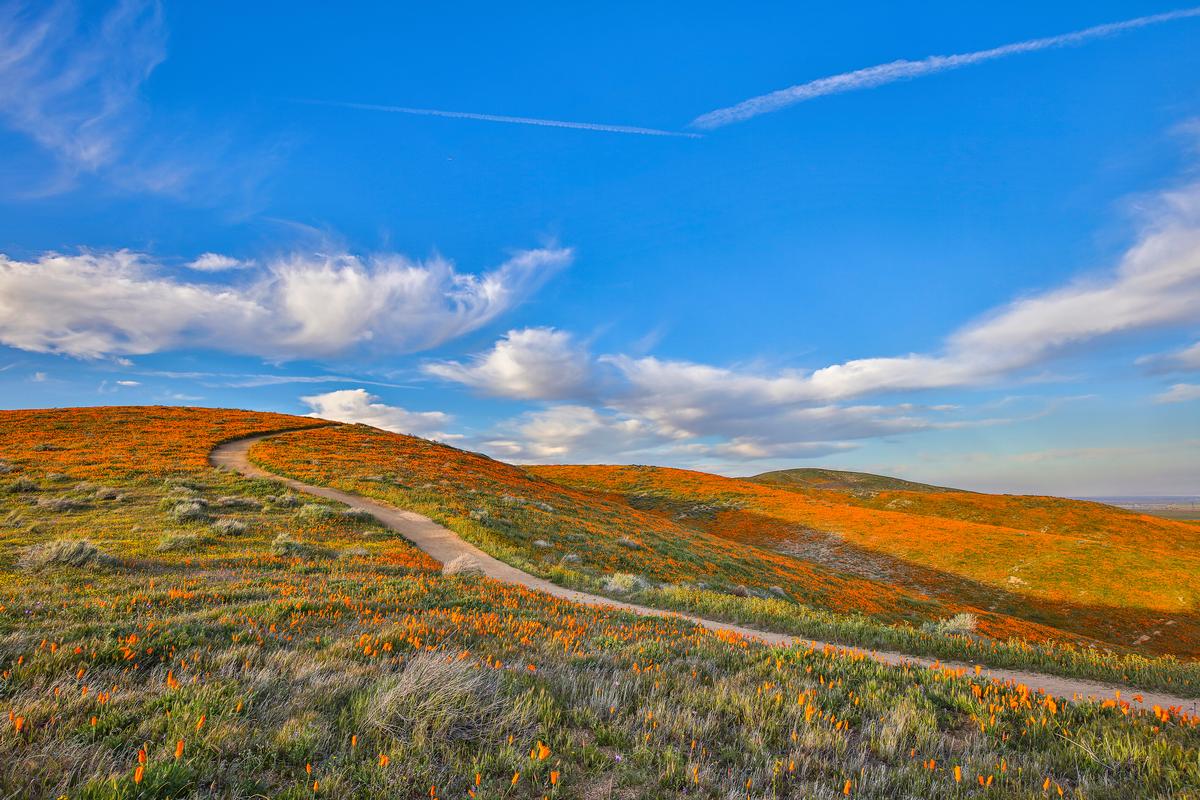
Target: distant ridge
842 481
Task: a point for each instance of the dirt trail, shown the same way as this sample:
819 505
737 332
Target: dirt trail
444 545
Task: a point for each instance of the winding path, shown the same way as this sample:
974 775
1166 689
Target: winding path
444 545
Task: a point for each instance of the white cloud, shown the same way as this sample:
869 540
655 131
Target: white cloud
903 69
39 377
215 262
128 383
357 405
1186 360
1180 393
539 363
754 414
113 304
571 432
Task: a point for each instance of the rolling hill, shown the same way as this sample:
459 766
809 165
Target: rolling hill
168 629
840 480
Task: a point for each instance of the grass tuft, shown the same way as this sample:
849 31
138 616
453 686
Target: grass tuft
77 553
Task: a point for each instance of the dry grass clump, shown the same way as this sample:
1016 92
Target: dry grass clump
285 546
283 500
316 511
958 625
59 504
438 698
233 501
227 526
463 565
178 542
190 510
624 583
21 485
64 553
359 515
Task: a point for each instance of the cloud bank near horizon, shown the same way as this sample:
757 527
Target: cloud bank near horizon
903 69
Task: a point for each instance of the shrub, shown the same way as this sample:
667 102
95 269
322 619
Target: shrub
228 526
463 565
105 493
632 544
283 500
436 698
65 553
6 467
354 552
22 485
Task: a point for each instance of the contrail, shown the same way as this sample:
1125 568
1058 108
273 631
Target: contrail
903 69
548 123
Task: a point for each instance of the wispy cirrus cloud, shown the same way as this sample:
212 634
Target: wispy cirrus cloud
72 80
536 121
1179 393
74 89
903 69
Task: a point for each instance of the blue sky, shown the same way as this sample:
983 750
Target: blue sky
981 271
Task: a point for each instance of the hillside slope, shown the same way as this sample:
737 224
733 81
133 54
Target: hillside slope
1081 567
172 630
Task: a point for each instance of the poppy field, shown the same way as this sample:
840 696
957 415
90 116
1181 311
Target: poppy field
684 554
172 630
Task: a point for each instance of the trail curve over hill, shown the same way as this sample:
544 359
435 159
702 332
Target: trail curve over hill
444 545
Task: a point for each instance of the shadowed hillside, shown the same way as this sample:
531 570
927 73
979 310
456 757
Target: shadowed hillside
1082 567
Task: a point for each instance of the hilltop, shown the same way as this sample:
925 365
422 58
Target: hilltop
840 481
